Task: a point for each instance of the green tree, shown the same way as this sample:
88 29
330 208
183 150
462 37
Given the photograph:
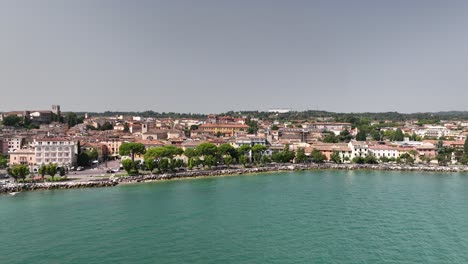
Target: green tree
415 137
405 158
227 160
190 163
265 159
345 136
464 160
209 161
228 149
389 134
370 159
301 157
465 146
359 160
131 149
243 149
414 153
62 171
52 170
3 161
72 119
384 159
330 138
335 157
243 160
43 171
18 171
106 126
126 128
128 166
85 158
376 135
159 153
164 165
190 153
361 135
253 126
258 151
317 156
427 159
12 120
150 164
207 149
398 135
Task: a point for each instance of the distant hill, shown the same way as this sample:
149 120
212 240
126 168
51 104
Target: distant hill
303 115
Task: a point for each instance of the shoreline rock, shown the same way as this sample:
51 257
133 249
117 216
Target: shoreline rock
20 187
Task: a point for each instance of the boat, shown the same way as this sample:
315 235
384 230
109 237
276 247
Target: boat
13 193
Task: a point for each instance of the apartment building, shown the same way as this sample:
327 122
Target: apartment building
62 152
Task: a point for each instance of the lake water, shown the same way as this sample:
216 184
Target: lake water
296 217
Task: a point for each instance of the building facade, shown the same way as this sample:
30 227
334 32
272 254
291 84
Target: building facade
62 152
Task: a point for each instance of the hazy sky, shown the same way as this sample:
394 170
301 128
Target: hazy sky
213 56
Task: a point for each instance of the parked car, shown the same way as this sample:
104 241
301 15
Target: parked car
79 168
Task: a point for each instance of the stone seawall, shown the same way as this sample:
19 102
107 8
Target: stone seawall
292 167
20 187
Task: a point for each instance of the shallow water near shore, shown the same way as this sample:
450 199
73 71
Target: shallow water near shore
287 217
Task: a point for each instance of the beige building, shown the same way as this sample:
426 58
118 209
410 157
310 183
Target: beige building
22 156
113 147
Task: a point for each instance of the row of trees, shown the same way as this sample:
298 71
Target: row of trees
51 170
205 154
20 171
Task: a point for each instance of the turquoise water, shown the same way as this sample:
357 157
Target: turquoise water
300 217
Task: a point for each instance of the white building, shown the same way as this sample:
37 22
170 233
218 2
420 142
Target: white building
14 143
380 151
358 149
433 131
55 150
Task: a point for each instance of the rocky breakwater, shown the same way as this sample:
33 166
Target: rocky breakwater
289 167
20 187
390 167
210 173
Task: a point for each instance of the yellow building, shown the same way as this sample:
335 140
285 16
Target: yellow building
225 129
